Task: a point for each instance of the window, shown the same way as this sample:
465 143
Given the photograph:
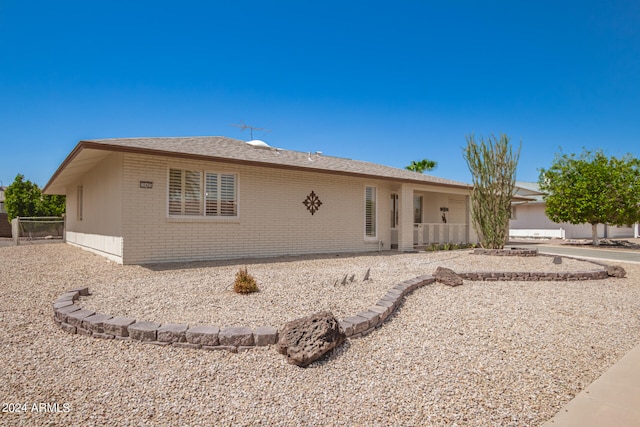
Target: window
79 207
188 196
394 211
185 192
370 212
417 209
220 195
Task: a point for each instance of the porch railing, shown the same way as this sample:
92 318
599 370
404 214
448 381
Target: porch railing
427 233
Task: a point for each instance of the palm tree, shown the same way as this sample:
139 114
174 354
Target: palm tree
421 166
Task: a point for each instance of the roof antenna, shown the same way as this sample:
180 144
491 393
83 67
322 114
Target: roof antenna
244 126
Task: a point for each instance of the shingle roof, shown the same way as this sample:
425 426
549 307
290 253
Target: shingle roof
236 151
529 190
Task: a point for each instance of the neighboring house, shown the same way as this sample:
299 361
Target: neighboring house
5 225
529 220
144 200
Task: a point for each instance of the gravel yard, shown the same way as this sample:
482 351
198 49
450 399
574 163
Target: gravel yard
202 293
486 353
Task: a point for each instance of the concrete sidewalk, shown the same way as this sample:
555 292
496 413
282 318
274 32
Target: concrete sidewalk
611 400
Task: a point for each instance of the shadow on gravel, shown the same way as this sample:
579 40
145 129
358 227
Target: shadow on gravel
187 265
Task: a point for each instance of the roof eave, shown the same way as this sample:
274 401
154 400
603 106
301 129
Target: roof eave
76 150
137 150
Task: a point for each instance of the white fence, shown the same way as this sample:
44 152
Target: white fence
540 233
37 228
427 233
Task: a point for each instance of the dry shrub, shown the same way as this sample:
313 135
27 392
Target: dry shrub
245 283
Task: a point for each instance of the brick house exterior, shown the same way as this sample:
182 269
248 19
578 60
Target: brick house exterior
146 200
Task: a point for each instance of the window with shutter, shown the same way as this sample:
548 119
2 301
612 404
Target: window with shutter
175 192
370 212
228 195
185 192
221 195
188 196
192 193
212 195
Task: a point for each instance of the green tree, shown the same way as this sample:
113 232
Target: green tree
422 166
592 189
493 167
53 205
24 198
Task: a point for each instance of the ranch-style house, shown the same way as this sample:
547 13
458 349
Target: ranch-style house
148 200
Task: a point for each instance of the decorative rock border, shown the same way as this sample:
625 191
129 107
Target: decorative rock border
74 319
506 252
535 276
366 321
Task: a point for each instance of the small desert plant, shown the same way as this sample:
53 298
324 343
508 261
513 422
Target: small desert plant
433 247
245 283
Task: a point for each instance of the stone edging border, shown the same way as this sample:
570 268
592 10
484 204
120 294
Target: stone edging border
535 276
74 319
506 252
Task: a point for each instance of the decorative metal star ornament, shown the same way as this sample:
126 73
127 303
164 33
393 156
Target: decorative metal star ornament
312 202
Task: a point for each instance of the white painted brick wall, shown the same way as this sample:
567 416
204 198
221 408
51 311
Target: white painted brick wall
102 199
272 218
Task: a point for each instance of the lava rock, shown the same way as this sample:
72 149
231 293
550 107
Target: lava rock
307 339
448 277
616 271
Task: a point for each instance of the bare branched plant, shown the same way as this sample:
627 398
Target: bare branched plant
493 167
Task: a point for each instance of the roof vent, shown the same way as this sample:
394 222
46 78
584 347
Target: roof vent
258 143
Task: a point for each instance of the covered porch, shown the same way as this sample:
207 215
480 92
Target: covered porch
423 216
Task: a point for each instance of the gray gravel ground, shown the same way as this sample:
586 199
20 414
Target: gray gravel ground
486 353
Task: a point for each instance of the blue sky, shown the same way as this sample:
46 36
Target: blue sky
386 82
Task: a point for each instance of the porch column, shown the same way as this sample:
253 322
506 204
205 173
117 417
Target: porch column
405 223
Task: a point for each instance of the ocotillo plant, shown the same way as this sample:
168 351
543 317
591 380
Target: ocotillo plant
493 166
